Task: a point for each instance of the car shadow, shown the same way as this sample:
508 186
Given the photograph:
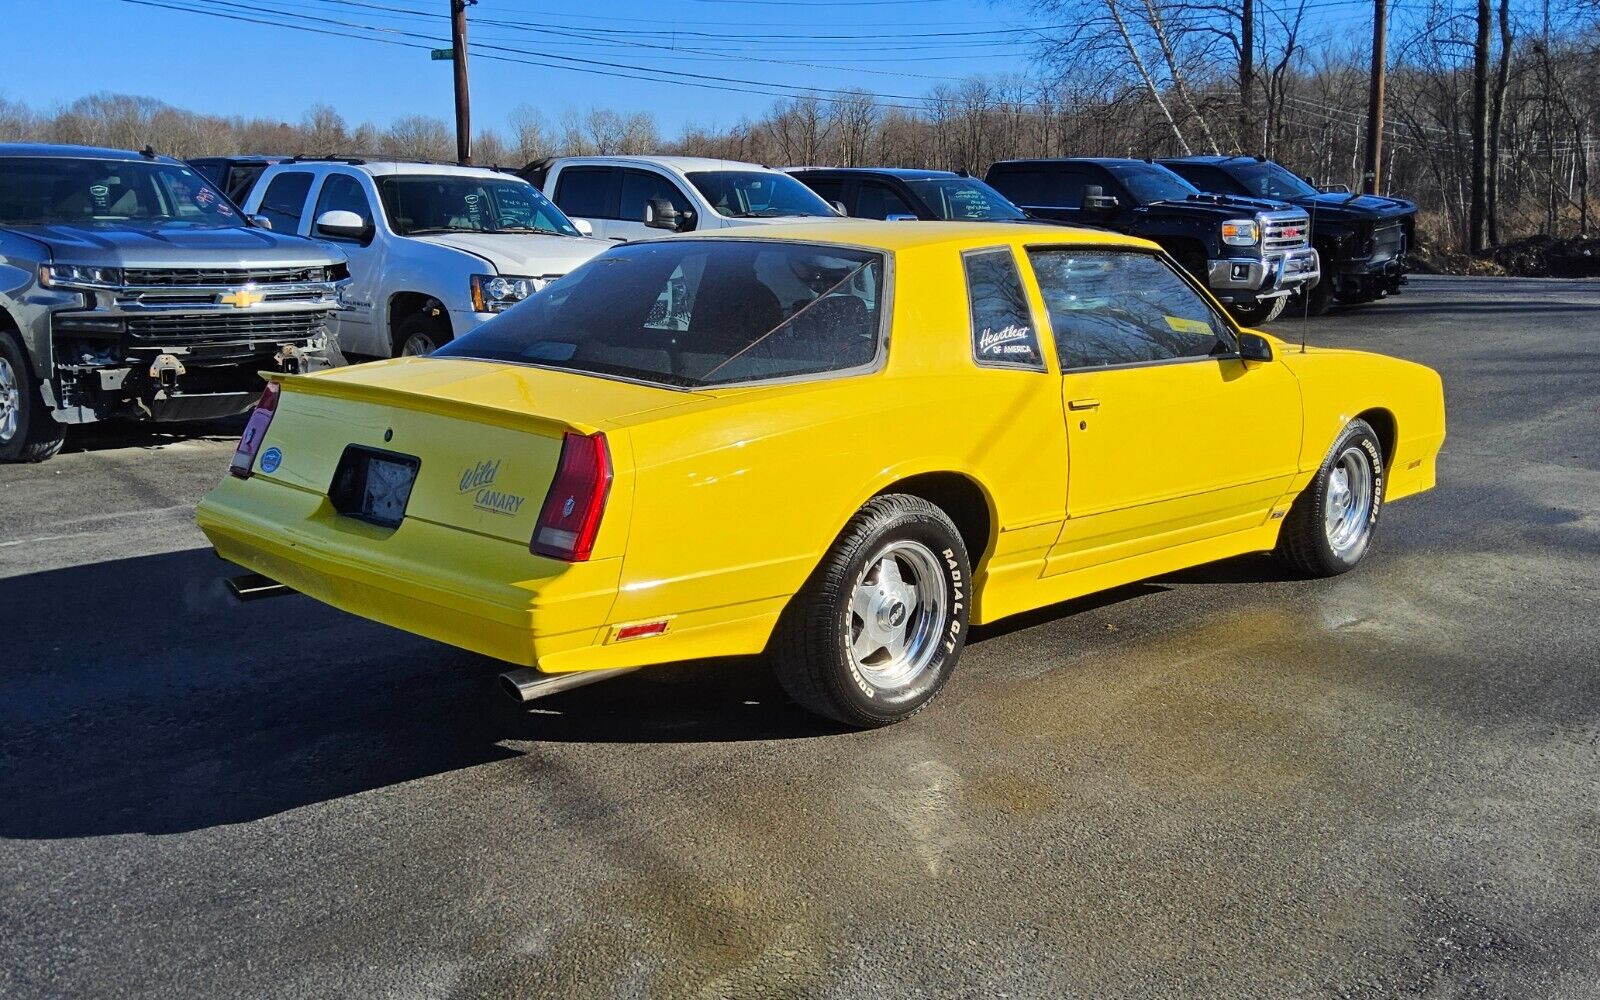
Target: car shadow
138 697
113 434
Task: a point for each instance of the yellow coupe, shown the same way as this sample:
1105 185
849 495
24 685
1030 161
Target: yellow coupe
840 443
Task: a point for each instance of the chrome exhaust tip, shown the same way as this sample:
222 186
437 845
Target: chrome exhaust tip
526 684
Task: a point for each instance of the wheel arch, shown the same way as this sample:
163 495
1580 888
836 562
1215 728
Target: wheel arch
1384 425
403 305
962 498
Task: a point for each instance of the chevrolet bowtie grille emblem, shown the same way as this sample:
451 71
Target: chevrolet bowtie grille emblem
244 298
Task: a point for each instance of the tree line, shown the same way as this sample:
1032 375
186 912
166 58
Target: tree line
1490 116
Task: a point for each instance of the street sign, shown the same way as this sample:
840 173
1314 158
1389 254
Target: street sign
444 54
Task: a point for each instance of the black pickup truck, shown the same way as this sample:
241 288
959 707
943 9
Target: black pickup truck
1363 239
1252 253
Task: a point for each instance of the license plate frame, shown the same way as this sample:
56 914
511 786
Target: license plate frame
374 485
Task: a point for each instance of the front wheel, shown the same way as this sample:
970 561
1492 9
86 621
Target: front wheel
420 334
1259 311
1330 526
28 433
877 630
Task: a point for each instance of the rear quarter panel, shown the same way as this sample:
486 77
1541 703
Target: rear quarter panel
737 503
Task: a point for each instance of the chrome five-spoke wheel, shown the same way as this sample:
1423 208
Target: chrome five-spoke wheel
1347 514
897 614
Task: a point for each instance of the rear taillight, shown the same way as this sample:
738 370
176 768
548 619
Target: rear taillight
244 456
572 509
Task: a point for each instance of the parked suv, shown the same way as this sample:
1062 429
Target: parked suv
131 287
631 197
1363 239
434 249
1252 253
899 194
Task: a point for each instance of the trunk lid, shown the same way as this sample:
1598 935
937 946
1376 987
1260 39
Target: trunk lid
486 437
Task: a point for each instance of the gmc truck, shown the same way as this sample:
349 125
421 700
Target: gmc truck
130 287
1363 239
1252 253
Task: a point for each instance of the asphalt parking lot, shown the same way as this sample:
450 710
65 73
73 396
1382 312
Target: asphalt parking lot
1220 783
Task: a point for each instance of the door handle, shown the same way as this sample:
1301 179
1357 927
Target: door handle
1083 404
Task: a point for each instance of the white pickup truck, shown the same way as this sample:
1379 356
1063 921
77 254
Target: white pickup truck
433 249
632 197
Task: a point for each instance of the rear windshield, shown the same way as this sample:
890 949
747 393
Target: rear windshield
757 194
693 313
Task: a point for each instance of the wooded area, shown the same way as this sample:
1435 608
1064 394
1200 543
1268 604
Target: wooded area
1490 125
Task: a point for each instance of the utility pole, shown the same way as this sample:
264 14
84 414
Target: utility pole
1247 77
458 42
1476 236
1380 66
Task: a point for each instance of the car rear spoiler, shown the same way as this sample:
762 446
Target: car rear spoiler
520 420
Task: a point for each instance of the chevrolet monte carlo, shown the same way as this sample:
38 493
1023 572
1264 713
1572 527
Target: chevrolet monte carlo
841 444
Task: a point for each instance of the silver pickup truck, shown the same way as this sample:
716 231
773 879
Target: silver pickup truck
130 287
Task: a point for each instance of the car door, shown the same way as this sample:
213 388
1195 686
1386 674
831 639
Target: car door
638 188
355 322
1171 437
590 193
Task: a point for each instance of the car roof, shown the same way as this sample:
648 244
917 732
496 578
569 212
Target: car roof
80 152
682 164
384 168
1103 160
1210 159
894 236
904 173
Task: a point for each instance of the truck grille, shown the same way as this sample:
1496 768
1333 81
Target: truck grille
1389 240
280 326
1285 232
180 276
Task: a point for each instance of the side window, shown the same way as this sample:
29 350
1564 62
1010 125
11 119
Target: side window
1027 187
285 200
829 189
639 186
875 200
343 193
1002 324
1111 307
1073 183
585 192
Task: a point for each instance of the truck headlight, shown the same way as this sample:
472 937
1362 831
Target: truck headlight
1241 232
495 292
79 276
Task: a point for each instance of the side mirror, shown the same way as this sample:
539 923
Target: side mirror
583 226
1309 180
659 214
1254 347
261 221
838 206
1095 199
341 225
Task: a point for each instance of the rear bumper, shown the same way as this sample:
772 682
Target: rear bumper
482 594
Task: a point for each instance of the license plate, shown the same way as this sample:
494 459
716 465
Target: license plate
374 485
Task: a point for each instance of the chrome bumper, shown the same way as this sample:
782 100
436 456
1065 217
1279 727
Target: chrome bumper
1246 279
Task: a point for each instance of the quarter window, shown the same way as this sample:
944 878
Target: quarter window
285 201
879 201
1124 308
1003 334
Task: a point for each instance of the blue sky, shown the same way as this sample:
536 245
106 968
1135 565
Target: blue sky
228 67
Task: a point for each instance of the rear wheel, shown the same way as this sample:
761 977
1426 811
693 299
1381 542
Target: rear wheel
1330 526
1260 311
877 630
28 433
420 334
